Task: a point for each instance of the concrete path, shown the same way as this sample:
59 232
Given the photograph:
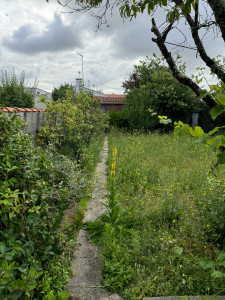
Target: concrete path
86 284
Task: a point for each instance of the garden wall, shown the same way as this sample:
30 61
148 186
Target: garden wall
34 117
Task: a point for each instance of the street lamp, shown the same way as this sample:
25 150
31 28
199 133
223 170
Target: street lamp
82 57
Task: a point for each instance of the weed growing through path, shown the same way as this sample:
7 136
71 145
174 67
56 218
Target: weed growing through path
114 216
174 218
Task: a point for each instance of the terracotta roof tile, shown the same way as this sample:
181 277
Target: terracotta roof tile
10 109
115 95
21 109
118 100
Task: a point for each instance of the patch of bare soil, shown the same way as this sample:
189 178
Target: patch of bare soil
86 284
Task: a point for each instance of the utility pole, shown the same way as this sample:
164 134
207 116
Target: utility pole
82 59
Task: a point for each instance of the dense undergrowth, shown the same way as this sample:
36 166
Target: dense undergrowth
168 236
37 185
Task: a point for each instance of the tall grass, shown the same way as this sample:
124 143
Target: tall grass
176 222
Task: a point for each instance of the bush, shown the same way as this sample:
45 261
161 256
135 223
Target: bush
118 119
37 184
35 189
70 123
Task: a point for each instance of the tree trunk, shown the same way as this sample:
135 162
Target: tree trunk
218 8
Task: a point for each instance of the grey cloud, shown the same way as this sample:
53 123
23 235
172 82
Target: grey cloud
133 39
57 37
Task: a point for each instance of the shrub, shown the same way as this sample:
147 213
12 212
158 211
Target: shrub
118 119
34 192
70 123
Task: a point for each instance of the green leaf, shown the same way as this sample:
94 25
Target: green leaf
221 259
203 93
217 141
221 99
203 139
31 273
217 274
182 129
165 122
15 295
2 247
64 295
178 250
188 8
216 111
214 131
205 264
198 131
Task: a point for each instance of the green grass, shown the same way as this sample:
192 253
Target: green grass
175 218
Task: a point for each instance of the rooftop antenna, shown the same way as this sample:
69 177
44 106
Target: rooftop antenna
82 59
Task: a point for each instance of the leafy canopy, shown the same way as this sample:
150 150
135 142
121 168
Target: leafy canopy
62 90
160 91
13 92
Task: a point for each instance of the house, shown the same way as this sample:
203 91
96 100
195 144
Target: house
108 101
111 102
37 93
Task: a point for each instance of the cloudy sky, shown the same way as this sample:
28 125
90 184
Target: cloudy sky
42 40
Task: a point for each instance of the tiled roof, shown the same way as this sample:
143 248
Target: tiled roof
119 99
20 109
115 95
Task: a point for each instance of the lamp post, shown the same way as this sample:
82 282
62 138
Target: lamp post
82 57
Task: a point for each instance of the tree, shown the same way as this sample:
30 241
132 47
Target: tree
13 92
159 91
191 11
131 83
62 90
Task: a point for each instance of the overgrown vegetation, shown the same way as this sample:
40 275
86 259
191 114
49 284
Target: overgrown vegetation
170 241
13 92
37 185
152 85
71 122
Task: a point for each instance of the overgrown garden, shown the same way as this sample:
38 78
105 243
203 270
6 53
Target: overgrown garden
39 180
163 231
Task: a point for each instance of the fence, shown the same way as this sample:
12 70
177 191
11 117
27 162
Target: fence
34 117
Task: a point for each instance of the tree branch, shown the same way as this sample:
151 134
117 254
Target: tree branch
166 31
208 60
176 73
218 8
196 14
